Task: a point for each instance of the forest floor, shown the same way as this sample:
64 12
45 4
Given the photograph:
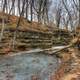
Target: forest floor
70 67
74 73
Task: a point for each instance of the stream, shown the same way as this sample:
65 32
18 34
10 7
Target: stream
24 66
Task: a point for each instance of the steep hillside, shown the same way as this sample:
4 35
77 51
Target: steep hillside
30 34
11 21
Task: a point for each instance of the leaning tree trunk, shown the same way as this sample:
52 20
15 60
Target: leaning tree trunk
18 23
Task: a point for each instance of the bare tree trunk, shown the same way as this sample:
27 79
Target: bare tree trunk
76 5
27 9
5 6
19 6
31 9
2 30
79 13
58 16
12 6
15 33
70 18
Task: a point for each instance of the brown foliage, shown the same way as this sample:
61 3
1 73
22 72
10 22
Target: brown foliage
60 72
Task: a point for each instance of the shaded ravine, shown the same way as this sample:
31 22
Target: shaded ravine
24 66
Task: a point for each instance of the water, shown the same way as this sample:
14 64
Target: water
23 67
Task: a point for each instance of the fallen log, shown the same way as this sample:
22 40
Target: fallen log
57 50
53 51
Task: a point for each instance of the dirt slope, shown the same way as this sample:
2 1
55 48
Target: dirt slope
12 20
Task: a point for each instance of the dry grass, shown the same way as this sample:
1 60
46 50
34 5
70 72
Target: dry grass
12 20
